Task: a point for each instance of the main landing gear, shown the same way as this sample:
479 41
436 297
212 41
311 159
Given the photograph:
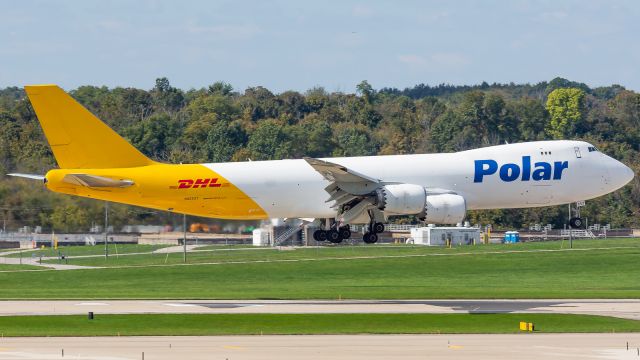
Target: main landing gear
334 235
374 228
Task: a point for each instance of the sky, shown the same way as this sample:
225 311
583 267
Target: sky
297 45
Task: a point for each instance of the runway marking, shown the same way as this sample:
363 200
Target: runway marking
232 347
455 347
180 305
92 304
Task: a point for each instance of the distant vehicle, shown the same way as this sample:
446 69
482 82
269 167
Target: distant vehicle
97 163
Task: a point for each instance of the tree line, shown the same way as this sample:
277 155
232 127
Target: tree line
218 123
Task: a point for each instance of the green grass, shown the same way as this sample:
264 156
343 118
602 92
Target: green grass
235 254
76 250
226 247
251 324
609 273
13 267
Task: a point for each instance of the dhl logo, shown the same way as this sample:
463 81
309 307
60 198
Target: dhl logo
198 183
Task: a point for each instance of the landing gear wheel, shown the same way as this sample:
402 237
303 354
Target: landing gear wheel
334 236
575 222
345 232
369 238
378 228
320 235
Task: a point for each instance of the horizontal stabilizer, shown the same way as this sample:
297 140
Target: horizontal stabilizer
96 181
28 176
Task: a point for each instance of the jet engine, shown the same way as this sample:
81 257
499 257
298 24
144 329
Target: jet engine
409 199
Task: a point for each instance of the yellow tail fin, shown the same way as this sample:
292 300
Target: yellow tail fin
78 139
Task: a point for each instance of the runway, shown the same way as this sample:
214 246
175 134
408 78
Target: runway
622 308
478 347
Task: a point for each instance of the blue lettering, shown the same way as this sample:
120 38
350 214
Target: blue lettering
526 168
484 167
558 166
542 171
509 172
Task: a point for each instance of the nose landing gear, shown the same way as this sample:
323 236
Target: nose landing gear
576 222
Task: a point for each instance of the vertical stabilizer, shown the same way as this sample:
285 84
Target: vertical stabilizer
78 139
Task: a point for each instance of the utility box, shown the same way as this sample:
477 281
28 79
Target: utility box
261 237
440 236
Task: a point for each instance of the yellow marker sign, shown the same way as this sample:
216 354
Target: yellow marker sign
526 326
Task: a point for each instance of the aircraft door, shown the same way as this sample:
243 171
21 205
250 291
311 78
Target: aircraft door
577 151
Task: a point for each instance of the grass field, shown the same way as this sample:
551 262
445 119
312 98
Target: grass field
13 267
252 324
89 250
243 254
381 272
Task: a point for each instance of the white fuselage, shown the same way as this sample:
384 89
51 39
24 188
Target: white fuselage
560 172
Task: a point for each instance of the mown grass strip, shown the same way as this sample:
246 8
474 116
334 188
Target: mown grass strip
11 267
254 324
225 255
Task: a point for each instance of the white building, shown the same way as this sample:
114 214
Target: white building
438 236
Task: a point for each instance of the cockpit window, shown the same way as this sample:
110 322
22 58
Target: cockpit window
592 148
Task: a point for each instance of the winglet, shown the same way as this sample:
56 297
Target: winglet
78 139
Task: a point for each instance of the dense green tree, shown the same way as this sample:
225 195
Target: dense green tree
220 88
566 110
317 136
366 91
353 140
224 139
531 117
165 97
266 140
155 135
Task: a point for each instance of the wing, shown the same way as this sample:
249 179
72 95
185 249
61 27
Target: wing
344 178
351 190
96 181
355 193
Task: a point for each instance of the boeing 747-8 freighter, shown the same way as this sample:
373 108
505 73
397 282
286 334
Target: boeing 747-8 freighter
95 162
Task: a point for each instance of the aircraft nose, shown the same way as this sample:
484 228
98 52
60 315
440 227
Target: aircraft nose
620 174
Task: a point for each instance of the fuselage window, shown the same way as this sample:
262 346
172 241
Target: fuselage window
592 148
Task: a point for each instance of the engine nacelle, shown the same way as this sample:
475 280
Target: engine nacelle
410 199
445 209
401 199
